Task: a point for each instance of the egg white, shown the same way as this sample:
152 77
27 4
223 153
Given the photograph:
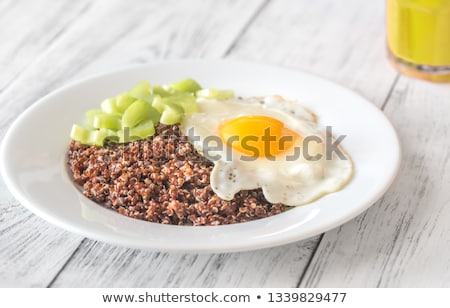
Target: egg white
291 183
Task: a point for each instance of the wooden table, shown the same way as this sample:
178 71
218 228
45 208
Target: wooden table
401 241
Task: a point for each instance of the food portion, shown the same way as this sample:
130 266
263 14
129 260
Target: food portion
276 145
161 179
180 154
133 115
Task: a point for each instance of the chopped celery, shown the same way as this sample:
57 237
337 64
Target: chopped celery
172 114
159 90
109 106
139 111
133 115
215 94
186 85
109 121
141 88
143 130
79 134
123 101
97 137
91 113
159 104
148 98
90 137
185 100
90 117
142 91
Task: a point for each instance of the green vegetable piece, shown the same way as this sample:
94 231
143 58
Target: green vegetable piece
139 111
97 137
159 90
142 92
91 113
133 115
186 85
123 101
90 137
159 104
79 134
89 117
215 94
186 101
172 114
143 130
109 106
109 121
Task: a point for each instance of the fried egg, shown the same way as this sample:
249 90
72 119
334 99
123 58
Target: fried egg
269 143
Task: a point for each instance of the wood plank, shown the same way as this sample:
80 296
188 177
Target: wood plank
22 245
344 43
24 36
101 265
32 251
148 31
403 240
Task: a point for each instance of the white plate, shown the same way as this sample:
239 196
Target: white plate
33 156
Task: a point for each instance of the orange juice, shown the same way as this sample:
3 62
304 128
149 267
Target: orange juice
418 37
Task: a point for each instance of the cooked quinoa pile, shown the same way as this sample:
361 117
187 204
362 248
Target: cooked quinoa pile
161 179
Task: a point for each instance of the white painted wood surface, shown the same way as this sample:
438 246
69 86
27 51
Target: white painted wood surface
403 240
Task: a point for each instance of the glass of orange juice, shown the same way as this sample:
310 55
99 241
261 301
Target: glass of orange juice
418 37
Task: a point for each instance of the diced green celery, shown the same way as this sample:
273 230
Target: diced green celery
148 98
109 106
152 114
158 104
91 113
186 85
89 120
133 115
141 88
97 137
159 90
79 134
90 137
139 111
143 130
109 121
172 114
185 101
215 94
123 101
142 91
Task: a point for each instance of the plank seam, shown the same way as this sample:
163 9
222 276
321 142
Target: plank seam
391 90
63 267
246 26
50 44
305 270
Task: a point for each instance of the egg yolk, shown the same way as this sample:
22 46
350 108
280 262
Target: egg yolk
256 135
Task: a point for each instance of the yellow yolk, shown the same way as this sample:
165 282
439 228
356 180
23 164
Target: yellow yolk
260 136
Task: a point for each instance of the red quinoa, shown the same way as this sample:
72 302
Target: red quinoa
161 179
